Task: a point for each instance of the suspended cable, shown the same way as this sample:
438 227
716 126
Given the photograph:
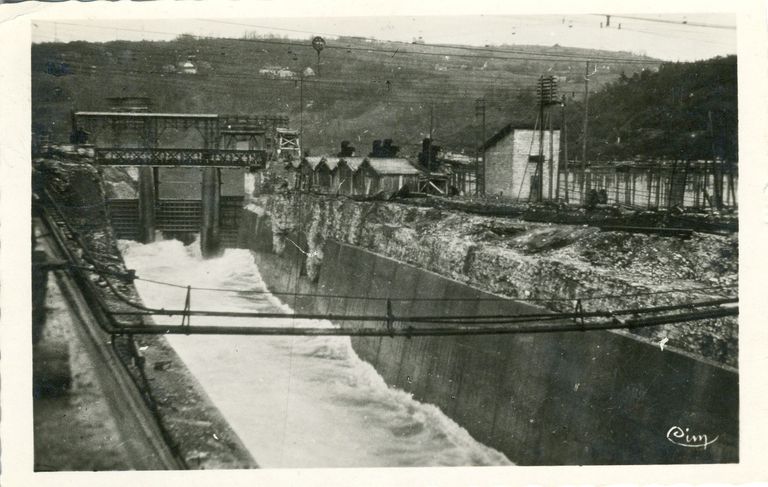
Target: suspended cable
453 330
519 54
676 22
501 298
489 324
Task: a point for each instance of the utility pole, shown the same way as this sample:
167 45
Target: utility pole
717 185
431 127
301 108
480 171
431 118
552 160
584 131
564 144
540 160
547 92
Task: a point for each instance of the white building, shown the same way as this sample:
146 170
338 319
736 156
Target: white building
188 67
270 70
510 163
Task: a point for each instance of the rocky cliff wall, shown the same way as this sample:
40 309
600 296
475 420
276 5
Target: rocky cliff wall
596 397
548 264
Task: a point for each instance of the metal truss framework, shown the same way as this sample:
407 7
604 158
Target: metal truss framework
180 157
288 143
146 128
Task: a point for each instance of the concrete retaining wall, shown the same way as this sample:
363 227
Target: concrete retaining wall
196 428
596 397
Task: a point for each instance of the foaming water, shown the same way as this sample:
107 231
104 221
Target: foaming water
294 401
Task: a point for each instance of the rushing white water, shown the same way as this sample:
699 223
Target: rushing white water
294 401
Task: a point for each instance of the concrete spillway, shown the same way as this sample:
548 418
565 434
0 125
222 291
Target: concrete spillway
309 401
294 401
597 397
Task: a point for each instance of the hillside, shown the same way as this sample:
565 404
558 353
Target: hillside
366 89
681 111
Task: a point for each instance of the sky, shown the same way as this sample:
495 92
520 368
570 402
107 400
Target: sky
681 37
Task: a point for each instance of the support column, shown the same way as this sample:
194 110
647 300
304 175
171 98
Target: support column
211 203
146 204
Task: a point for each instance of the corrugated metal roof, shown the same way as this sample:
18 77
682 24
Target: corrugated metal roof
391 165
354 163
381 165
331 162
313 161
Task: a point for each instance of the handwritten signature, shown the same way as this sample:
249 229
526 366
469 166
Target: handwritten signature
681 437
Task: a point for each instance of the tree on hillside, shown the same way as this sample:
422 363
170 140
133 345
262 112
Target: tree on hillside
682 111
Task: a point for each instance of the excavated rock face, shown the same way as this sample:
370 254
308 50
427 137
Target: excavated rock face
120 182
554 264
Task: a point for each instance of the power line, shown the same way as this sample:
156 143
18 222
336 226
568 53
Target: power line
459 94
499 324
411 299
656 34
520 55
444 46
473 329
314 81
455 80
408 96
676 22
461 79
101 269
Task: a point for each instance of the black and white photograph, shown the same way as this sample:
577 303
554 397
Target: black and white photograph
393 241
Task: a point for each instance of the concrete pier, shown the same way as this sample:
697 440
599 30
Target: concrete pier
147 197
210 238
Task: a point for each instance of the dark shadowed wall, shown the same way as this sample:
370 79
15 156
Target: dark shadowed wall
596 397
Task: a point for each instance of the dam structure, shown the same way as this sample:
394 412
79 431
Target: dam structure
401 335
247 401
302 245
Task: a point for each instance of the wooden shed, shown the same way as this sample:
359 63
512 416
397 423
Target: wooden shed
351 179
388 174
307 177
318 173
327 174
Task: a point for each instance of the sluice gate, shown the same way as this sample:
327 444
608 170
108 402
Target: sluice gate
198 150
176 218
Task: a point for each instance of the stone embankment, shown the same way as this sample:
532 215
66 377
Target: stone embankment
551 264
